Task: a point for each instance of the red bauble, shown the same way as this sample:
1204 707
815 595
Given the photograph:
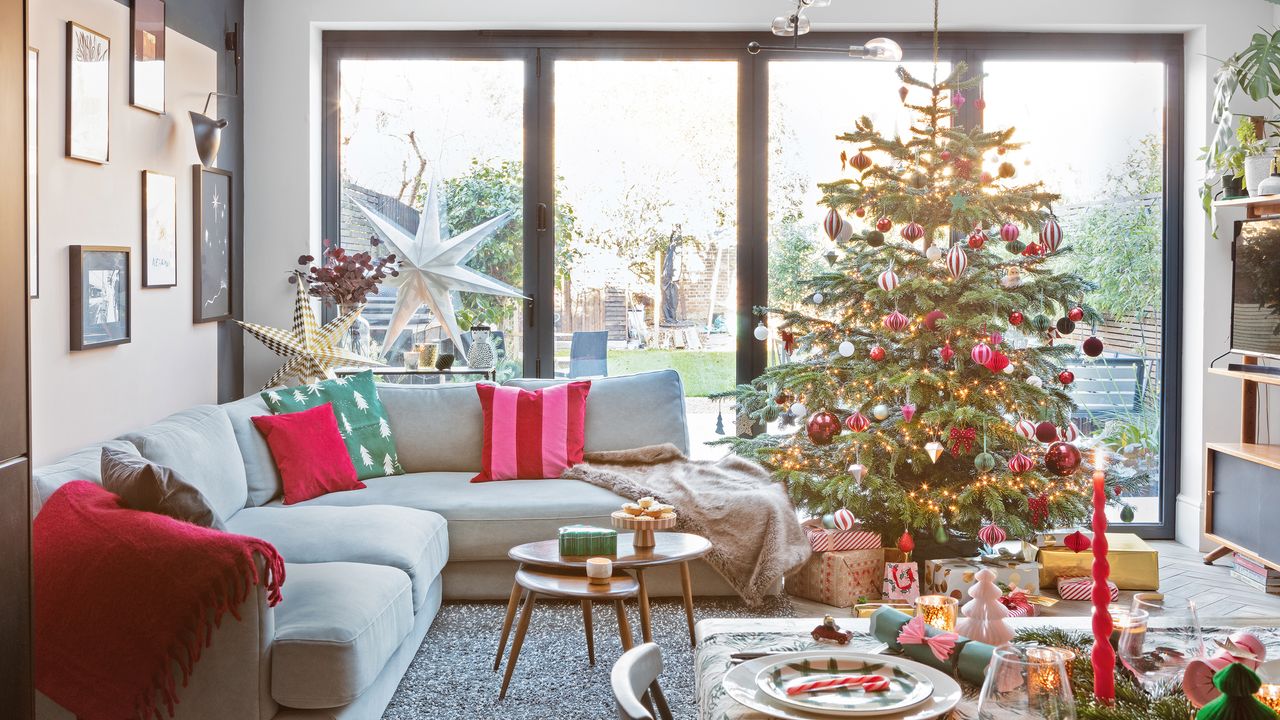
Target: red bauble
1031 250
981 353
1077 542
896 321
980 104
1046 432
1062 458
947 353
964 168
906 544
1076 314
932 317
877 353
823 427
1092 347
884 224
1020 463
857 422
1066 377
976 239
998 362
860 161
945 155
985 178
1016 318
860 212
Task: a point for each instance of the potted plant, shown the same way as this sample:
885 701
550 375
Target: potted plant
1256 70
1251 158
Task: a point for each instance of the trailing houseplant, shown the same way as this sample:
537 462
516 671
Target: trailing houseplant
1256 71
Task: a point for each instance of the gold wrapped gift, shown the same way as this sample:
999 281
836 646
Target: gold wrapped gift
1134 564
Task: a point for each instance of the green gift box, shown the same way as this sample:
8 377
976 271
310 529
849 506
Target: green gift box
585 540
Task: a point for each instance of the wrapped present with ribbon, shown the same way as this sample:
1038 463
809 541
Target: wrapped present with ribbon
585 540
839 578
1134 563
953 654
954 576
1020 603
825 540
1081 588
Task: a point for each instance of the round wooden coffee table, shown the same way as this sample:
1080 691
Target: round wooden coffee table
669 549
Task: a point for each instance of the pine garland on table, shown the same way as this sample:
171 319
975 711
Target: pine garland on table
1132 703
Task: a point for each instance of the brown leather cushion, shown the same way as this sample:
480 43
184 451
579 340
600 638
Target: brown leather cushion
144 485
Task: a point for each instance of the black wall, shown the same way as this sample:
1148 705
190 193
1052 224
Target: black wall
208 22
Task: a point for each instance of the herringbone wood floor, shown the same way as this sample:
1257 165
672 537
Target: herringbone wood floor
1182 574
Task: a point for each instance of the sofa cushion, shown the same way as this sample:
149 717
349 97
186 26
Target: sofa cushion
144 485
336 628
83 464
630 411
414 541
437 427
531 434
487 519
260 471
309 452
200 444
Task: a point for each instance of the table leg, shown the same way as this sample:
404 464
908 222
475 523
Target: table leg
586 623
624 628
521 629
512 603
645 630
687 586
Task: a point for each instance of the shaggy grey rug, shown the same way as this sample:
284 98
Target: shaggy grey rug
452 677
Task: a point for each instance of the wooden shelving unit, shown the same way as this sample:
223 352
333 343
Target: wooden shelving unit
1256 207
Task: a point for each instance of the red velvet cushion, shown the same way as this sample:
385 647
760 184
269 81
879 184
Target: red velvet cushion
309 452
529 435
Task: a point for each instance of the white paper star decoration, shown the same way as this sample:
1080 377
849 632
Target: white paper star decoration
310 351
432 267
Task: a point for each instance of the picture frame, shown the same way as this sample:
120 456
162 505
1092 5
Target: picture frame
213 230
101 296
33 172
159 230
88 94
147 55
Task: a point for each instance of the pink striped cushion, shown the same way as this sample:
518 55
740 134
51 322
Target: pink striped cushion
534 434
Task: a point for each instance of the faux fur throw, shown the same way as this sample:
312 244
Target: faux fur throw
755 536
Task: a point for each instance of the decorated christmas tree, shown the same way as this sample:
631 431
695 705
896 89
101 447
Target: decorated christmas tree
926 368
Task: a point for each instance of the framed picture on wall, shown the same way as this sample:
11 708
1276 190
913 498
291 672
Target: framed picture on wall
212 223
101 299
146 71
88 94
159 230
33 173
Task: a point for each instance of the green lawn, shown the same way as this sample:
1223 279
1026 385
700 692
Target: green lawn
704 372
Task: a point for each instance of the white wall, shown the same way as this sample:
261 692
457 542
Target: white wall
82 397
282 117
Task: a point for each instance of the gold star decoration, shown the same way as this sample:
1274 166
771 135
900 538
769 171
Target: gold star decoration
310 351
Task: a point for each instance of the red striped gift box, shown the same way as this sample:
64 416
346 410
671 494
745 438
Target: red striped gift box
824 540
1081 588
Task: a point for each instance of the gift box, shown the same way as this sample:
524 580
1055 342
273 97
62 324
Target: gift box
585 540
840 577
1081 588
954 576
1134 564
824 540
1057 538
901 582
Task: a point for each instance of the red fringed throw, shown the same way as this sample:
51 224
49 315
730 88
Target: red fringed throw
121 596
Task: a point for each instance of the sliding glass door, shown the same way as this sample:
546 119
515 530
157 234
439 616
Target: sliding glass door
655 189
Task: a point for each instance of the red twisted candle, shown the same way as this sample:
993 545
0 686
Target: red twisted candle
1104 657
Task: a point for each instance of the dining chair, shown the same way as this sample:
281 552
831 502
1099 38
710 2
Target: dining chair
635 684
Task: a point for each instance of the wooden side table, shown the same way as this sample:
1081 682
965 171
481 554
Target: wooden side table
551 582
669 549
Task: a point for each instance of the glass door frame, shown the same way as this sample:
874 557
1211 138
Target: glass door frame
539 50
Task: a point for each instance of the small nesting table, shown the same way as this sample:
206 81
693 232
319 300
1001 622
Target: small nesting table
669 549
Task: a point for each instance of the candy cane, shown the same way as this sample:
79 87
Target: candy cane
868 683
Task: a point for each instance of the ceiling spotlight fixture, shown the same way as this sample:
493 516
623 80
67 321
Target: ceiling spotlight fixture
796 24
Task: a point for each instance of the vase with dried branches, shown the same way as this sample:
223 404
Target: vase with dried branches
346 280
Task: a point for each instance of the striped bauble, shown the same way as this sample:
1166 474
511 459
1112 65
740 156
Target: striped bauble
857 422
833 225
957 261
1050 235
982 353
1026 429
888 280
844 519
1009 232
1020 463
1069 432
896 321
912 231
991 535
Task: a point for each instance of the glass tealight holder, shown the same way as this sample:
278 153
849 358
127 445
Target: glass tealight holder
1269 695
410 360
938 611
1027 683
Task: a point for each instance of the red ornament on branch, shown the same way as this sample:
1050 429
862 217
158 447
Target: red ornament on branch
877 353
884 224
977 239
788 341
857 422
833 224
1016 318
981 353
1046 432
1066 377
823 427
906 544
1009 232
1051 235
1076 314
932 317
1020 463
1092 347
912 231
896 321
860 162
946 353
1062 459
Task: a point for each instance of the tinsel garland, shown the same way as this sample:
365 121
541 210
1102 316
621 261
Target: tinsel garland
1132 702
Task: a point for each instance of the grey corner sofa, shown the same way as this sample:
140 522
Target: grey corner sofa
367 570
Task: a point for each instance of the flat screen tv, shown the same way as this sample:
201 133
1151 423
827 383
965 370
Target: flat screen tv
1255 289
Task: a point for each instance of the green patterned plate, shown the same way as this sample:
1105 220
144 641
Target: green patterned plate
906 688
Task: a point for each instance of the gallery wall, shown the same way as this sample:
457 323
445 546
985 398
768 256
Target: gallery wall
85 396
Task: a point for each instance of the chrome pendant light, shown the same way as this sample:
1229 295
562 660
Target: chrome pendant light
797 24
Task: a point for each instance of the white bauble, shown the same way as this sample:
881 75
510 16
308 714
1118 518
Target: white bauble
846 233
1008 369
799 410
880 411
818 298
846 349
1035 381
761 332
934 253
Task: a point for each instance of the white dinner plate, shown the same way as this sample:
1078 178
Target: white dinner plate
740 684
906 687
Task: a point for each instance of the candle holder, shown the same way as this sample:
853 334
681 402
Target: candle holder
599 571
1026 682
1269 695
410 360
938 611
1047 670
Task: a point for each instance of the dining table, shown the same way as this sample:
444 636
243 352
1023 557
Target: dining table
722 641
